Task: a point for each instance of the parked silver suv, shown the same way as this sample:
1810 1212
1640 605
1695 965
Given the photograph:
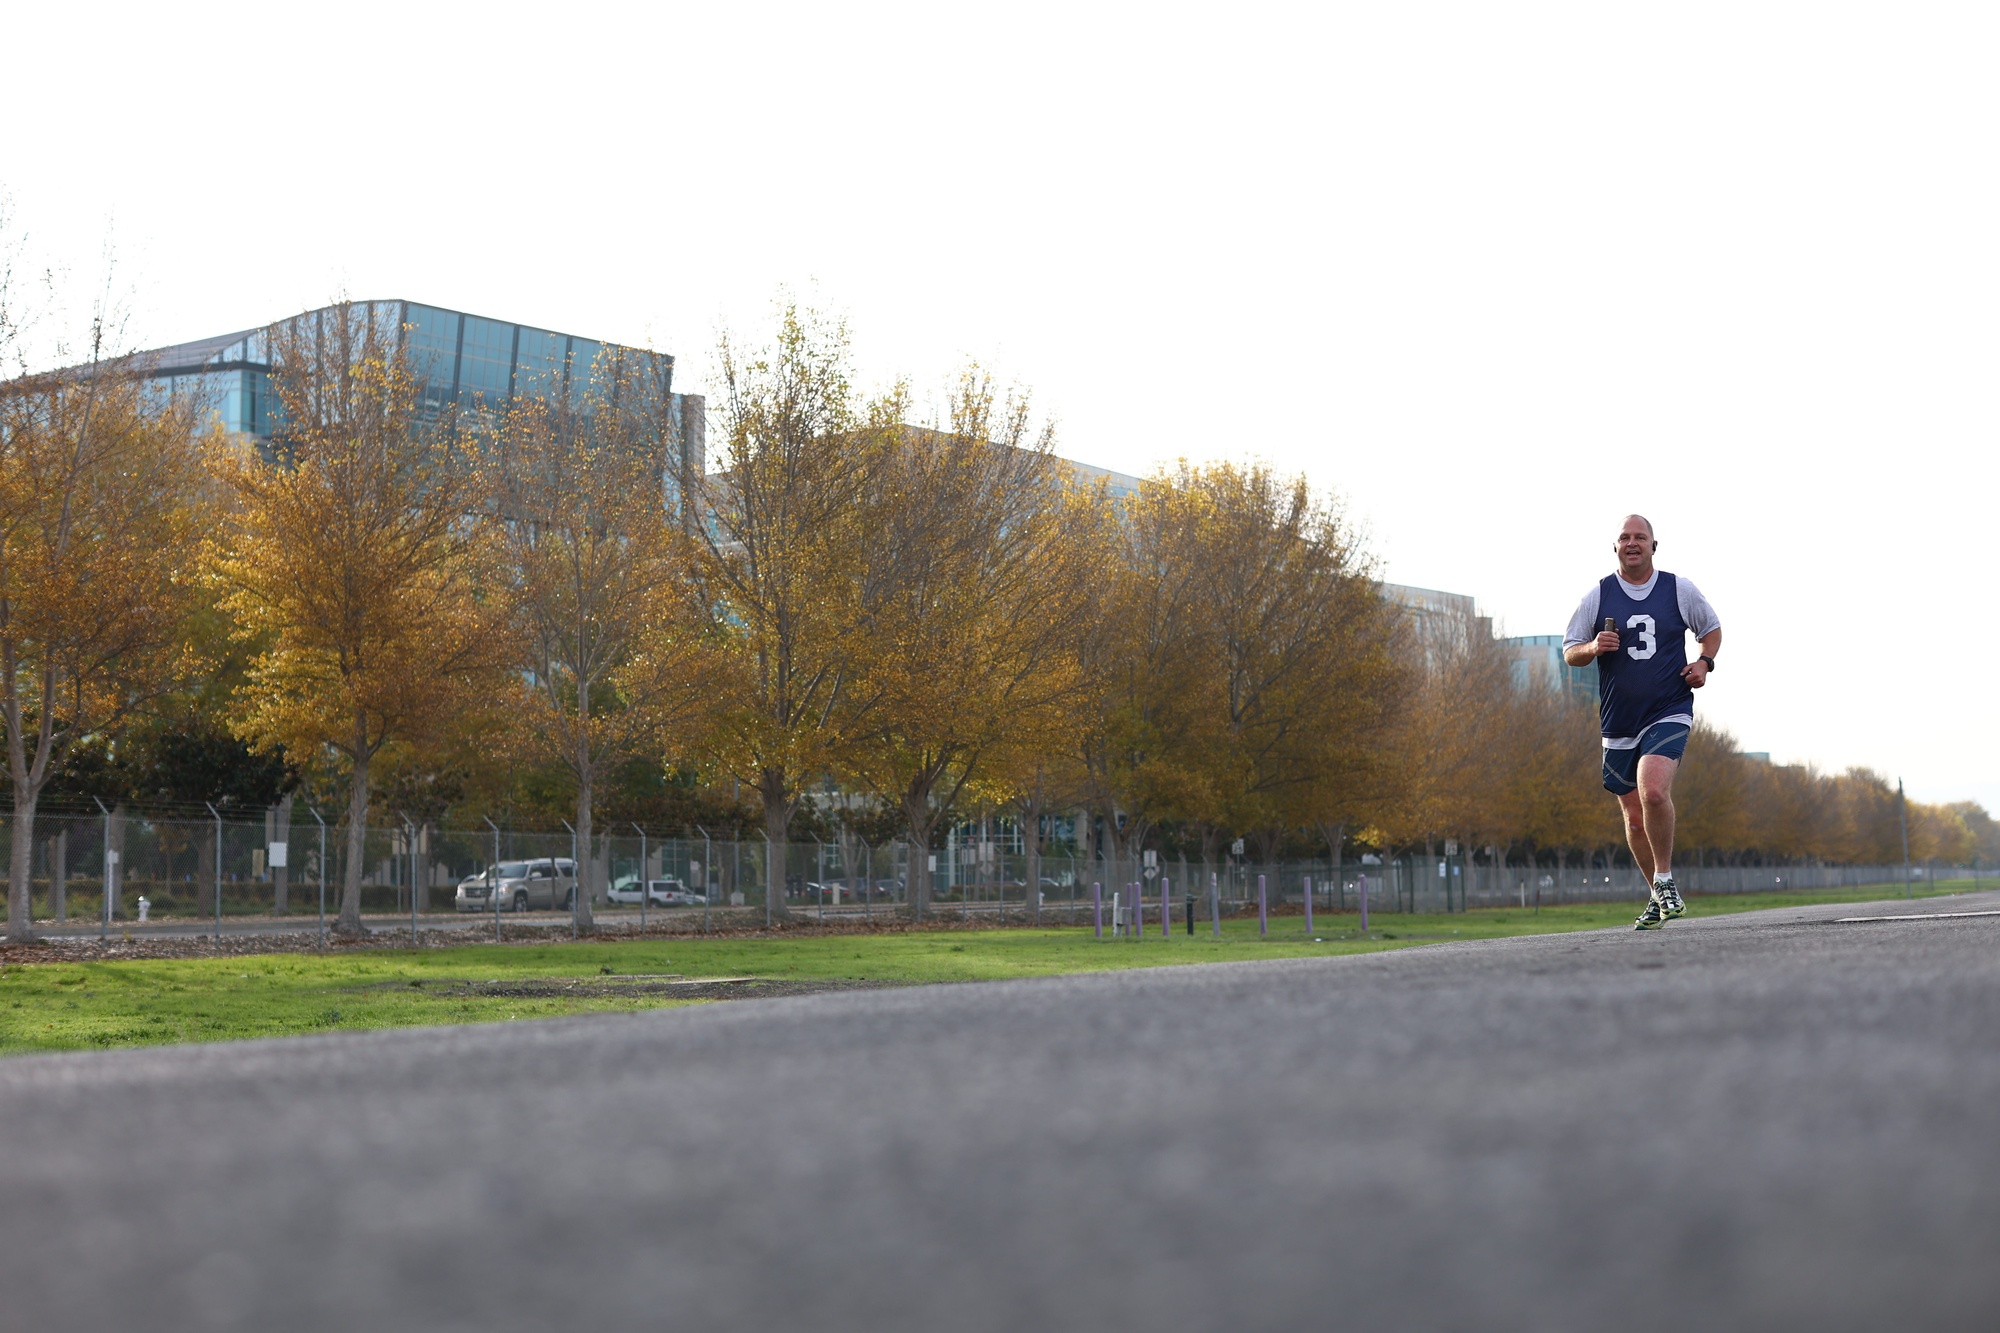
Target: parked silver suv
543 884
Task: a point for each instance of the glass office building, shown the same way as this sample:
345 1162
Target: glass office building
468 362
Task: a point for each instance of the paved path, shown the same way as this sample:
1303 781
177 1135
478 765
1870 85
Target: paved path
1755 1122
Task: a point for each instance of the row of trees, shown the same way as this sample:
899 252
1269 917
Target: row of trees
872 617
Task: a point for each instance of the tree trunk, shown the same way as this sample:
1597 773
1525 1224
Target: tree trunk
20 866
1336 845
919 891
204 871
586 862
777 828
349 920
1032 835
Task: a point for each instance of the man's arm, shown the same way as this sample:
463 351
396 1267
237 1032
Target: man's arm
1583 654
1696 673
1581 642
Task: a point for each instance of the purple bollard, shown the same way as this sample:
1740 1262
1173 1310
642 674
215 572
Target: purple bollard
1097 908
1309 904
1214 907
1263 910
1362 884
1137 930
1166 908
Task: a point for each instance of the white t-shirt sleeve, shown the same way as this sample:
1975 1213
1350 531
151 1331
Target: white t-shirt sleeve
1583 625
1695 610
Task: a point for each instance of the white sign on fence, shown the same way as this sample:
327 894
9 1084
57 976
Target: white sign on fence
276 859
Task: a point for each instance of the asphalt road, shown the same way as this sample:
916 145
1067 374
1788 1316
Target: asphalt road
1756 1122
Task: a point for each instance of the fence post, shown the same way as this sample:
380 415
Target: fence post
1166 908
218 870
410 832
1097 907
110 868
1263 912
1309 904
322 881
645 881
1214 906
492 874
1361 884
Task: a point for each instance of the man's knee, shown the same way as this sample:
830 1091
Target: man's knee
1656 796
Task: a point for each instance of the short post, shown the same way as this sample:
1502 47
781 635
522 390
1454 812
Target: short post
1190 915
1214 906
1263 909
1097 907
1309 904
1361 883
1166 908
1138 923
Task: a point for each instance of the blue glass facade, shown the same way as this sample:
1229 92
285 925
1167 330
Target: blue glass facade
470 361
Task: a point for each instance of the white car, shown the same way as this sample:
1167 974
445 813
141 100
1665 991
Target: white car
521 886
659 892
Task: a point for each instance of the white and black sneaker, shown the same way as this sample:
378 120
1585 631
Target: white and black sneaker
1655 914
1669 898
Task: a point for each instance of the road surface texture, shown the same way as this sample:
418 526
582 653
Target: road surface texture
1745 1122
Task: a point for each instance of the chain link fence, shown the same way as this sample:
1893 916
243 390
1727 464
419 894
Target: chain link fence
119 866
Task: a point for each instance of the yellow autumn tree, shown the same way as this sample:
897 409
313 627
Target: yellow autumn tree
970 595
597 570
101 493
783 530
354 560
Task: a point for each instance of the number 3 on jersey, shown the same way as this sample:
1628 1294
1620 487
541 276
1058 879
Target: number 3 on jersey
1649 642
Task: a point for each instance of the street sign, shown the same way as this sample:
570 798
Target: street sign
1236 848
1151 872
276 860
1451 847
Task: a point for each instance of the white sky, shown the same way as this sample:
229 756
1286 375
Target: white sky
1496 273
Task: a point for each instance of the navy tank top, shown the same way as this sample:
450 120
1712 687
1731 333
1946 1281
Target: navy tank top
1641 682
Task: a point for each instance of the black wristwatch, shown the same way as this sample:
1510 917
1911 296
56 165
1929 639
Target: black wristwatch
1711 661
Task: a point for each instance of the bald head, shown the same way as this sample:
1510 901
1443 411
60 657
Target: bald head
1635 546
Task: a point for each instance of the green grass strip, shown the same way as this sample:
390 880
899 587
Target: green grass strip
143 1002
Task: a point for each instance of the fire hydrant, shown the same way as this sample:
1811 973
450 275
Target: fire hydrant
145 907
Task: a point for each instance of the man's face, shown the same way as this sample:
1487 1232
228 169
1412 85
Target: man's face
1635 544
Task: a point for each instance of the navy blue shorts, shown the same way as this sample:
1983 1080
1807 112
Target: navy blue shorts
1621 767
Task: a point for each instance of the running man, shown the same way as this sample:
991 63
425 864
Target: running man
1634 624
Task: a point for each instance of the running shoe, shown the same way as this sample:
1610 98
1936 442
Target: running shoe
1669 898
1654 916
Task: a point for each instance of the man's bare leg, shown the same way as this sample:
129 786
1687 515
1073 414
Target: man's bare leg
1656 802
1630 806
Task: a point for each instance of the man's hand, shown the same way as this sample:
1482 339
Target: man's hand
1695 673
1607 642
